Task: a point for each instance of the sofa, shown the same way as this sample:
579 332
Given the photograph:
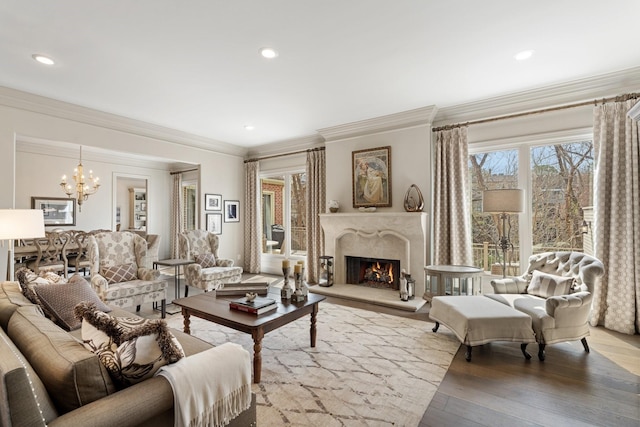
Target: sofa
48 377
556 292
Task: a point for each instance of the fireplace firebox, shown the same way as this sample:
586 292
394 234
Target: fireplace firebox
372 272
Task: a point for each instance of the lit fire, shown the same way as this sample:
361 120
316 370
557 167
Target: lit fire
375 273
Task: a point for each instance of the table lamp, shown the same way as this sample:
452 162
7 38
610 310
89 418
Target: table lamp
19 224
504 201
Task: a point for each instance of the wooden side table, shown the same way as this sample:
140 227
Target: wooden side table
451 280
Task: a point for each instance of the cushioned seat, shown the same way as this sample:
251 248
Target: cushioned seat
121 273
208 272
556 291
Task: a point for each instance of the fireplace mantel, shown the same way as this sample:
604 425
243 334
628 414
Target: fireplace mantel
390 235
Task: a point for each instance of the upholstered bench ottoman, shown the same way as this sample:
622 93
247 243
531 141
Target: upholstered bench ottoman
477 320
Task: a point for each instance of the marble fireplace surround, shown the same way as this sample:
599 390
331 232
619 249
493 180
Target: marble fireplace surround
388 235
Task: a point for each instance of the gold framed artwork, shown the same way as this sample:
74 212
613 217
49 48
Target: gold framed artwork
371 177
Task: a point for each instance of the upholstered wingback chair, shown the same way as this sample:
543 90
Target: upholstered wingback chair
120 271
208 272
556 291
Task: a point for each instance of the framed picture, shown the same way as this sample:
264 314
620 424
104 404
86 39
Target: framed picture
214 223
231 211
57 210
371 177
212 202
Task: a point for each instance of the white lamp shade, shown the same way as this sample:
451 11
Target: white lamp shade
506 200
21 224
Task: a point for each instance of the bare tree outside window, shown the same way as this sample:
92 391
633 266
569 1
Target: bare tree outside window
561 187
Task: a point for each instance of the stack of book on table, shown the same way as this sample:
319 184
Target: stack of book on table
258 306
242 288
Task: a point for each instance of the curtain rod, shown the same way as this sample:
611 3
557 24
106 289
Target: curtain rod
284 154
619 98
188 170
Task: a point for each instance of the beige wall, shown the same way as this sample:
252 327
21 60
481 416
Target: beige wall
26 174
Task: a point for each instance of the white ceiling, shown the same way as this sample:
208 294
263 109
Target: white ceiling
194 65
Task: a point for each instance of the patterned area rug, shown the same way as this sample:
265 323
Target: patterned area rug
367 369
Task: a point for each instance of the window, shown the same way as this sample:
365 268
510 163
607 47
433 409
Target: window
562 185
558 180
284 213
189 205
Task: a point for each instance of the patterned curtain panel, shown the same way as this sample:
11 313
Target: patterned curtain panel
451 211
252 218
616 302
316 202
176 214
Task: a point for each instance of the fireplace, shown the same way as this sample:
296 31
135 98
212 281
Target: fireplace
398 236
373 272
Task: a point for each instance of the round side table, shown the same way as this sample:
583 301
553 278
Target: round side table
451 280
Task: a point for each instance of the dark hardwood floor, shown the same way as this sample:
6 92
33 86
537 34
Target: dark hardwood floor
570 388
500 388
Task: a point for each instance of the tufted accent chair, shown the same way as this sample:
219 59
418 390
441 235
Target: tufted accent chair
121 273
193 245
555 318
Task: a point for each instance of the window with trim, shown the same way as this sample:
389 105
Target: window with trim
558 183
189 205
284 213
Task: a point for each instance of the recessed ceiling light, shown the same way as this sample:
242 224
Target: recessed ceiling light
268 52
525 54
43 59
249 127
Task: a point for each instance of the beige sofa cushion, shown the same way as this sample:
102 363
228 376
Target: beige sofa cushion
72 374
11 298
23 399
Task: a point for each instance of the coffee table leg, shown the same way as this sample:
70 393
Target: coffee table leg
187 322
312 331
257 335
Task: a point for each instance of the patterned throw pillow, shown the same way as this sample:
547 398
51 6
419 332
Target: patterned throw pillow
58 301
206 260
547 285
28 279
132 349
120 273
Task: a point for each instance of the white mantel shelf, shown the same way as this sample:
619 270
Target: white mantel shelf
386 235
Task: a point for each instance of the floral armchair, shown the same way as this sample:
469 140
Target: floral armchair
121 273
556 291
208 272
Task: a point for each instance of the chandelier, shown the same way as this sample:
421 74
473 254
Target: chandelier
82 188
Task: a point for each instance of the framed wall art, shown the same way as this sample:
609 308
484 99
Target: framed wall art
56 210
212 202
231 211
214 223
371 177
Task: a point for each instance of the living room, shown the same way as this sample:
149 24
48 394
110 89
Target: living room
41 137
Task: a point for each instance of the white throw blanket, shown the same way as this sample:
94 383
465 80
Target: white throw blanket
210 388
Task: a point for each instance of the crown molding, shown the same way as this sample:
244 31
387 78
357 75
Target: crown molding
90 154
42 105
405 119
286 146
600 86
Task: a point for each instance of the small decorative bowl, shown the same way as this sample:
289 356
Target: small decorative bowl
251 296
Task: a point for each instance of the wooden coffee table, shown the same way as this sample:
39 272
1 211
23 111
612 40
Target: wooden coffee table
207 306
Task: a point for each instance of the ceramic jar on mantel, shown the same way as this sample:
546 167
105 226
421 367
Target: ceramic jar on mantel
333 206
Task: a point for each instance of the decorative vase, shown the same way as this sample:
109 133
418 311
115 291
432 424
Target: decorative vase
333 206
413 200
